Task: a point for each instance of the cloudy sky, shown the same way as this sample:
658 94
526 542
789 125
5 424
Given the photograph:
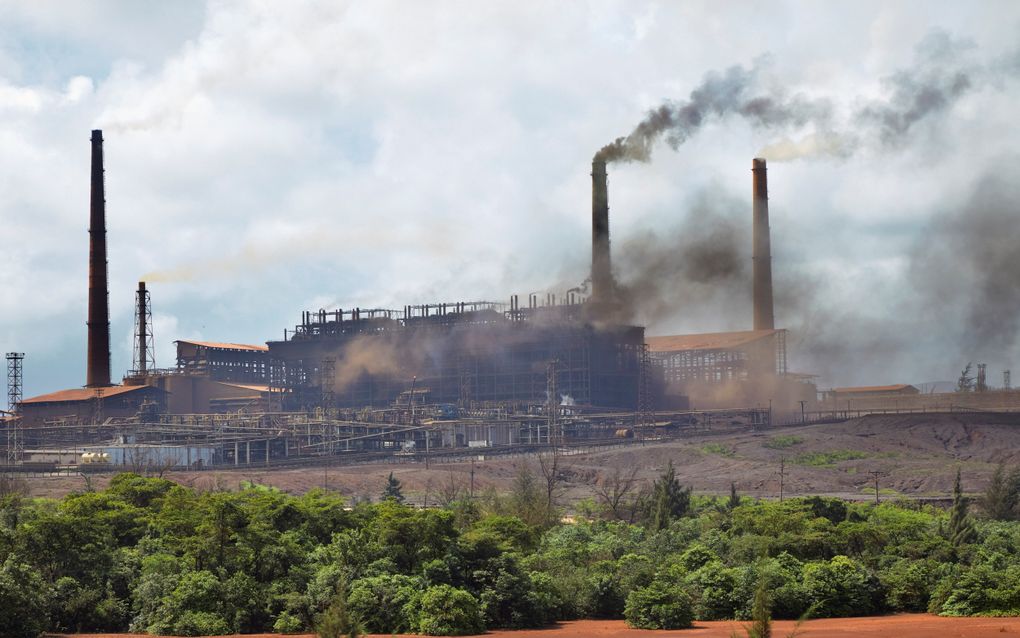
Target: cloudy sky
263 158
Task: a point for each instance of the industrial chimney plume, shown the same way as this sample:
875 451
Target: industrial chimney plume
762 258
98 363
601 269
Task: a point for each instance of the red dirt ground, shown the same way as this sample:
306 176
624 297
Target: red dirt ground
900 626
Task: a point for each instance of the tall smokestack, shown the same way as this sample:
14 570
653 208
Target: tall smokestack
762 258
601 268
98 364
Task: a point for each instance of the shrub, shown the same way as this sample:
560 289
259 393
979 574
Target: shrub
337 622
378 602
712 588
286 623
841 587
200 623
448 611
821 459
506 594
783 441
909 584
659 606
719 449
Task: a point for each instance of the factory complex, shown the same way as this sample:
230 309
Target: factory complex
422 381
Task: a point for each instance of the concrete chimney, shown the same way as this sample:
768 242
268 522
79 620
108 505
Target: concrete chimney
762 257
98 363
601 267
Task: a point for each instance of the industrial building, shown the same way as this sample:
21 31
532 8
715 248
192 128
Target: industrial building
432 376
744 368
466 354
89 405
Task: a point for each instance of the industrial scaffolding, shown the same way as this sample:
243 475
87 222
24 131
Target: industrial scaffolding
464 354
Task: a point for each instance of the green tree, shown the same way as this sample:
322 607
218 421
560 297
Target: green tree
761 616
379 602
24 601
909 584
337 621
448 611
660 605
841 587
1002 497
393 489
961 527
734 501
669 500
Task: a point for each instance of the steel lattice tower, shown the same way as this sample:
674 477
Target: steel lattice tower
144 356
15 435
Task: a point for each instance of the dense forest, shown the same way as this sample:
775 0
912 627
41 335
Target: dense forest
149 555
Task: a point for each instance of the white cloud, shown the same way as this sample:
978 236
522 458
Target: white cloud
263 158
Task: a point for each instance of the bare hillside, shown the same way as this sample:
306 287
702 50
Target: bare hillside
915 456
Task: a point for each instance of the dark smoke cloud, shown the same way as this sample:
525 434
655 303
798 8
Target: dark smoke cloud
938 77
705 258
958 299
967 266
721 94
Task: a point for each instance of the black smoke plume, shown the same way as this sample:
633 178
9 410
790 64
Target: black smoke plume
704 258
936 80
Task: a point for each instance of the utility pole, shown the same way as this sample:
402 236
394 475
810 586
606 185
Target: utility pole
875 474
471 492
803 416
782 477
552 401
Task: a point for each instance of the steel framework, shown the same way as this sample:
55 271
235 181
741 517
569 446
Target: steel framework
143 358
468 354
15 435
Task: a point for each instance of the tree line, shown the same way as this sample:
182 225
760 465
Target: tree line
149 555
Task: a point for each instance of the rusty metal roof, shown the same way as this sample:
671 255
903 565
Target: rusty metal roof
706 341
224 346
84 394
898 387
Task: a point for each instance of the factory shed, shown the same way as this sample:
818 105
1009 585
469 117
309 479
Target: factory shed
198 394
717 357
236 362
746 368
88 404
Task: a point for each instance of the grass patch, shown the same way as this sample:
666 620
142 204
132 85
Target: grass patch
718 448
882 491
783 441
822 459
